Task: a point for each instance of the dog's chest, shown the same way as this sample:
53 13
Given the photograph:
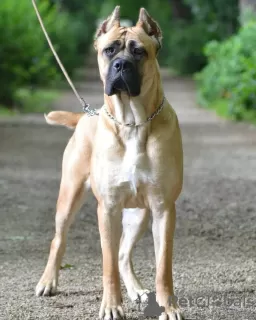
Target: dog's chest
134 169
121 169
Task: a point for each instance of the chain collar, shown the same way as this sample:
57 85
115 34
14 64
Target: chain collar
133 124
88 110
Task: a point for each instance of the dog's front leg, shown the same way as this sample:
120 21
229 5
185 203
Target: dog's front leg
71 197
163 232
110 232
69 203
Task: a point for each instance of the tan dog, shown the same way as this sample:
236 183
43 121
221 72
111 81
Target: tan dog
132 154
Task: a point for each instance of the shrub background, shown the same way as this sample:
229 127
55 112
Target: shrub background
199 22
228 82
199 36
25 58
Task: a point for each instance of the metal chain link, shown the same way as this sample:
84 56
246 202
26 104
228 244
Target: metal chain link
88 110
133 124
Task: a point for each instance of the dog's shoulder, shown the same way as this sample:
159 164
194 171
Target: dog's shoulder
86 128
166 123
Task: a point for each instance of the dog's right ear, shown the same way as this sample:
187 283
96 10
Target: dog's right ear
150 26
109 23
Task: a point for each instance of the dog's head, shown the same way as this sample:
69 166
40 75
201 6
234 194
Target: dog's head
126 55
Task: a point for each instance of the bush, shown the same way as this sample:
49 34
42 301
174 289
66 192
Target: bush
65 31
186 43
209 20
163 17
86 14
25 59
41 98
229 78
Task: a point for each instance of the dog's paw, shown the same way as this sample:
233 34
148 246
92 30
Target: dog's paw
139 296
135 290
46 287
172 314
112 313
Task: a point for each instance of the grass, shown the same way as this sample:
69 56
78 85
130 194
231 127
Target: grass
4 111
36 101
31 101
223 110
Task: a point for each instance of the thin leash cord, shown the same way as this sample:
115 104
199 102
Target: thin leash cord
81 100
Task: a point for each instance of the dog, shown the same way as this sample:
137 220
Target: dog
132 155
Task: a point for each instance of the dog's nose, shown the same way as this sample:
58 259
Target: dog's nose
121 65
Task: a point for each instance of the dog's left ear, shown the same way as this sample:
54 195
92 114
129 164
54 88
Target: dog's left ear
150 26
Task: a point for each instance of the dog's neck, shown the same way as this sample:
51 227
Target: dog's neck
126 109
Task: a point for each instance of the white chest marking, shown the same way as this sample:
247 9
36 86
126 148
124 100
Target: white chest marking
134 165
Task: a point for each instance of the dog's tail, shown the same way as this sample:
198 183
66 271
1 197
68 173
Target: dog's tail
63 118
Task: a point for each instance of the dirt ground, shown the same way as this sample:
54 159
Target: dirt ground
215 241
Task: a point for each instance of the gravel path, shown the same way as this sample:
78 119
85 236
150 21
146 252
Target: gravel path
215 241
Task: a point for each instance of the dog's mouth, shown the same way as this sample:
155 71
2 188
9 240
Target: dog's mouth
123 84
120 84
124 80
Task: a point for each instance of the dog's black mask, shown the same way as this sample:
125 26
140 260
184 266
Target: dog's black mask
123 75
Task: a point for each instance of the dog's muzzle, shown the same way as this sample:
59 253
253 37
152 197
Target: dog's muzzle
123 76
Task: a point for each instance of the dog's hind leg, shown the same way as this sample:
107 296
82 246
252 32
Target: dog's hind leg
135 222
71 197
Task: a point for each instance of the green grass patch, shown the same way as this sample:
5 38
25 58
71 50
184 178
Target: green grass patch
35 101
31 101
4 111
222 108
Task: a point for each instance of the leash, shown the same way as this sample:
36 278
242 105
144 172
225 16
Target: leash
85 105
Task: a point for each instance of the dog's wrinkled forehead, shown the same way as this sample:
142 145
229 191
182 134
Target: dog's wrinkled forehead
146 32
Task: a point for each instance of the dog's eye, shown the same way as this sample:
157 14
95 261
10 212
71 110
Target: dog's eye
138 51
110 51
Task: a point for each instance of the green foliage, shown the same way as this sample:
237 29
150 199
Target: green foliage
220 18
128 11
186 43
38 100
230 75
25 59
4 111
31 101
85 13
66 32
209 20
163 17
